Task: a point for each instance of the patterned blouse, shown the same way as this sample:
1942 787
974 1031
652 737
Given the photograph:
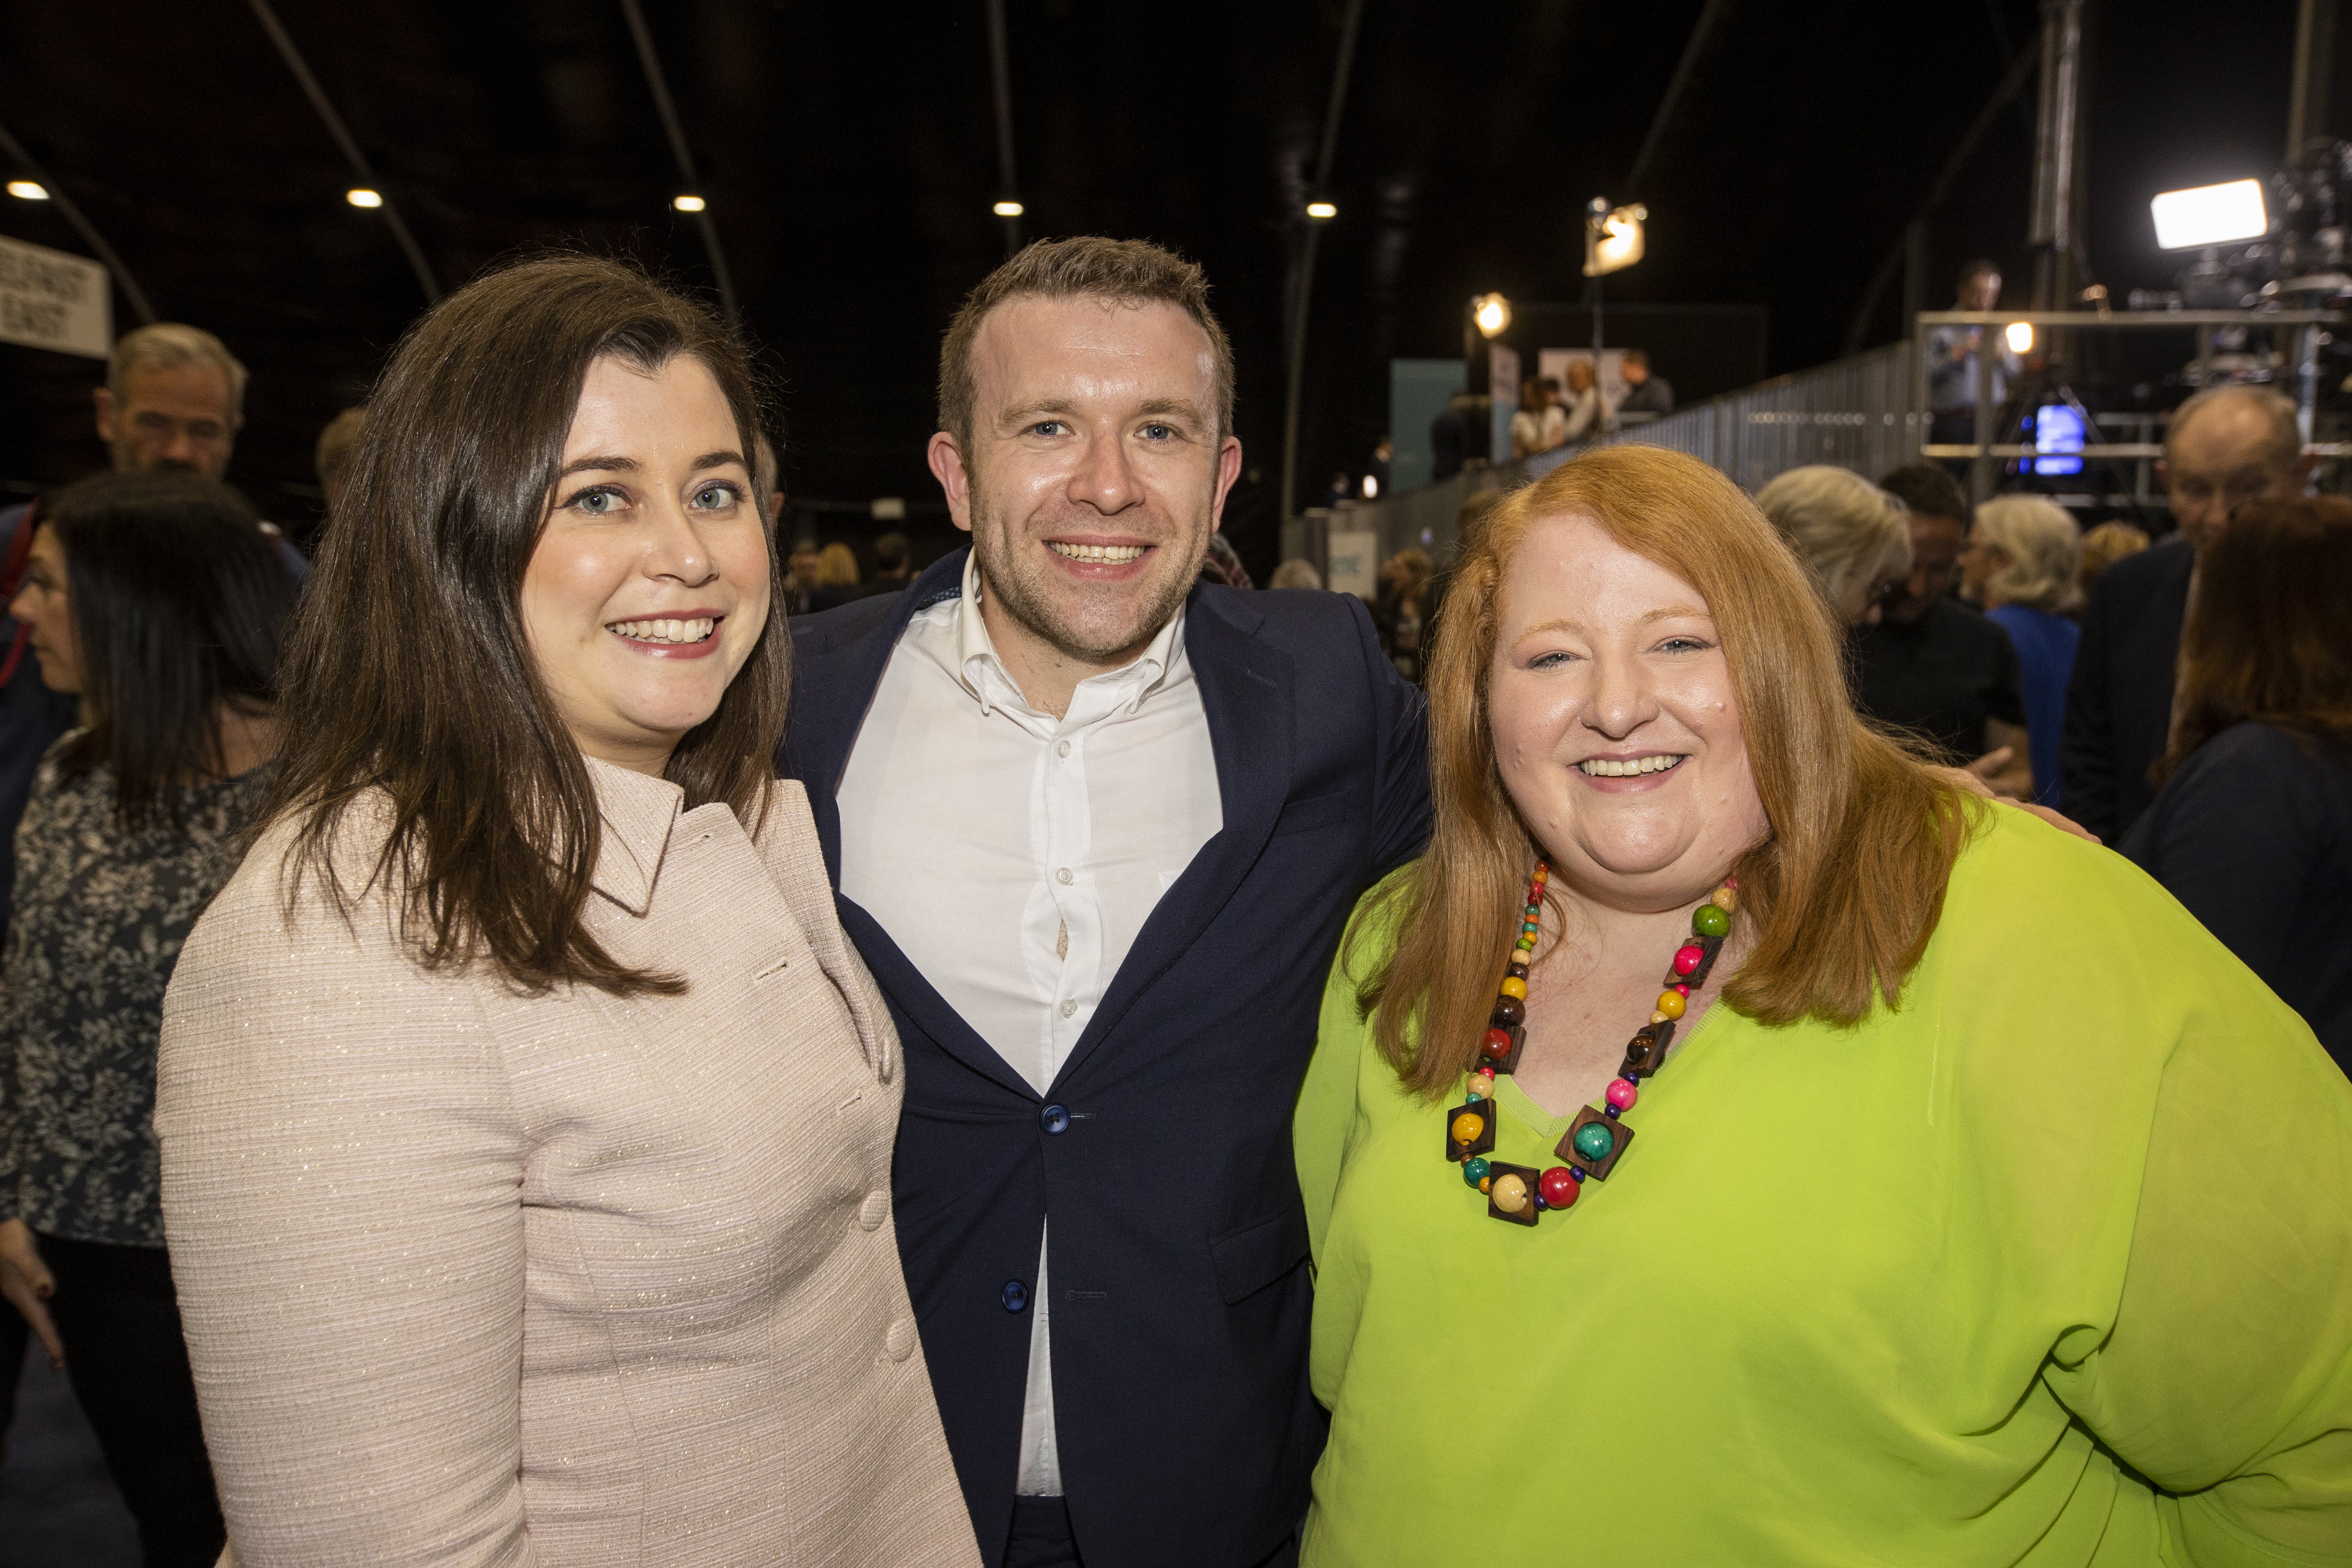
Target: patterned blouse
99 917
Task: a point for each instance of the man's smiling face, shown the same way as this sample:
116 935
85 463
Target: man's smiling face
1097 469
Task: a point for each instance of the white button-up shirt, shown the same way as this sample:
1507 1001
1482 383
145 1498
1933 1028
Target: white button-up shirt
1014 856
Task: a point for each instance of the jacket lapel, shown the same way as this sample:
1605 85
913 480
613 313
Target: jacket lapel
833 689
1246 689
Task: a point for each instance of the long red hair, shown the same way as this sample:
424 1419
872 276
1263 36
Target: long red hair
1843 892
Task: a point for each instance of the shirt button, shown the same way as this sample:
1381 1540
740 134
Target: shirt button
874 1210
1015 1296
1069 1007
899 1342
1055 1118
1063 876
1062 750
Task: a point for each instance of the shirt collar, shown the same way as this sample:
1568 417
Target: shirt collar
980 669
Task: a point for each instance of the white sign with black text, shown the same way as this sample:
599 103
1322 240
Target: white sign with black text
50 300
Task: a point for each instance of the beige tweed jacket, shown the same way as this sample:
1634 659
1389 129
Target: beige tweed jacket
471 1277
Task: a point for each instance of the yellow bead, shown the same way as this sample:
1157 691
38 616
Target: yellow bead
1726 900
1485 1183
1671 1003
1468 1126
1659 1018
1510 1194
1515 986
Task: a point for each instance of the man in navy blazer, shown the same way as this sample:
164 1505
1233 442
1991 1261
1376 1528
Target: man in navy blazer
1099 1130
2226 446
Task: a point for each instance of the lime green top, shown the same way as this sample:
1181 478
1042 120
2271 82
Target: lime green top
2049 1266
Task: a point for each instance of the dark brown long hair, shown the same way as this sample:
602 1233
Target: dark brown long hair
408 676
2270 637
1844 891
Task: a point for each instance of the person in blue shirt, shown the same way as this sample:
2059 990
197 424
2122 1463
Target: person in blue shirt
2020 562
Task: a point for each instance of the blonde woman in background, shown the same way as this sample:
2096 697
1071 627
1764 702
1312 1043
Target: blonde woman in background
2022 557
1851 535
836 575
2102 548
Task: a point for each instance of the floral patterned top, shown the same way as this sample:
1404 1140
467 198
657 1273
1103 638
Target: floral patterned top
99 917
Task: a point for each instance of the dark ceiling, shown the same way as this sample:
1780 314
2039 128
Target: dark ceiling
848 154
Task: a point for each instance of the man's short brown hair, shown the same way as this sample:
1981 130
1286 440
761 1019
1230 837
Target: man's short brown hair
1127 271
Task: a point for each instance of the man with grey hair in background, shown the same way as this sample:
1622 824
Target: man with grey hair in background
2226 447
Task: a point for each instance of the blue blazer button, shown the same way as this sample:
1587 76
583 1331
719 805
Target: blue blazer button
1016 1295
1055 1118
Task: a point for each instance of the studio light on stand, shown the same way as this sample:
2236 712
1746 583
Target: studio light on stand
1613 240
2019 335
1492 313
2209 215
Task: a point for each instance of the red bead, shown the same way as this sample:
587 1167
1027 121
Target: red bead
1732 882
1558 1187
1497 1044
1681 987
1485 1072
1688 957
1622 1094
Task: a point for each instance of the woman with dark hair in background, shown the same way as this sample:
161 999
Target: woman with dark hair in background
2252 829
525 1117
158 601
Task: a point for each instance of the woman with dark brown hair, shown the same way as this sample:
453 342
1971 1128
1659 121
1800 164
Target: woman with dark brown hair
1991 1213
525 1118
2252 827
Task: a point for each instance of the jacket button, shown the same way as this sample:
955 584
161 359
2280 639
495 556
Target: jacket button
899 1342
874 1210
1055 1118
1016 1296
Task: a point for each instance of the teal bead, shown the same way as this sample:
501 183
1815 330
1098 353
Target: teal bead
1475 1170
1593 1142
1708 921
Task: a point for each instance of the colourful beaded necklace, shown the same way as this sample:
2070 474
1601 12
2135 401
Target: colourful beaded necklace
1597 1139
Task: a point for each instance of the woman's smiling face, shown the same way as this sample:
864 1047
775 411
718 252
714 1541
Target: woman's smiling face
649 583
1615 726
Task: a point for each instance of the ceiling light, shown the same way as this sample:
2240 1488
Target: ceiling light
2020 335
1492 313
1009 209
2209 215
688 203
364 198
28 190
1320 210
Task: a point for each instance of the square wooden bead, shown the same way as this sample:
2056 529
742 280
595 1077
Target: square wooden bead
1457 1150
1619 1135
1709 947
1528 1213
1646 1052
1518 1033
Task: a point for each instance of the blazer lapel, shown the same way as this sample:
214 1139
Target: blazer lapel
833 689
1247 691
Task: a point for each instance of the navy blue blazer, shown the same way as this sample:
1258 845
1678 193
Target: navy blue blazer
2119 699
1184 1421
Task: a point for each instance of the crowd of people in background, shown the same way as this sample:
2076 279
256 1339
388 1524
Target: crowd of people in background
2187 700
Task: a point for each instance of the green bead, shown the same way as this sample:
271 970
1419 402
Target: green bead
1708 921
1475 1170
1595 1142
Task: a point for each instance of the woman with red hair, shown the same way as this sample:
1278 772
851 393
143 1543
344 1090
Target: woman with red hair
1990 1213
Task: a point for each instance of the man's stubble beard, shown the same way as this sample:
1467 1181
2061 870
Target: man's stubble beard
1033 608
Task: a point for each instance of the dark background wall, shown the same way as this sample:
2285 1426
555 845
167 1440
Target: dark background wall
848 154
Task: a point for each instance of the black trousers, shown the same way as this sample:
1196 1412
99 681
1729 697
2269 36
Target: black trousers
1041 1538
115 1309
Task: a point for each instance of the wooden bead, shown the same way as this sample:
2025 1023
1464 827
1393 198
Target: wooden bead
1510 1194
